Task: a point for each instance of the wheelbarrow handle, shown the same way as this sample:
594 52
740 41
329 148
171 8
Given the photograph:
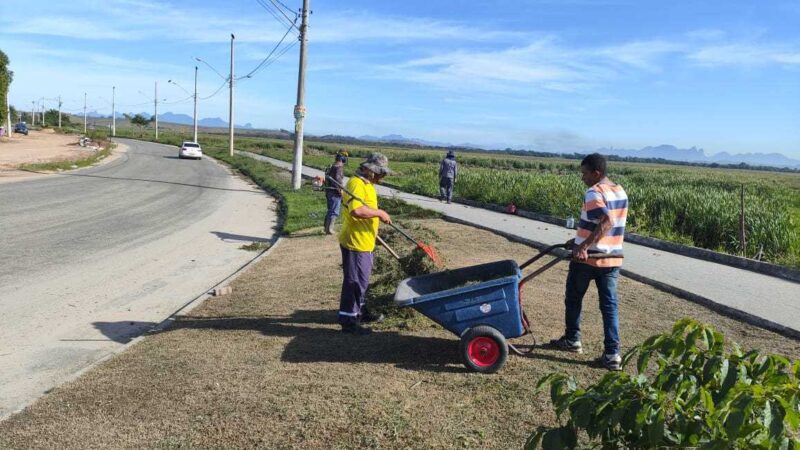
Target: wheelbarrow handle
362 201
568 246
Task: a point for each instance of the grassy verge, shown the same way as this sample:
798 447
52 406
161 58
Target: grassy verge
265 366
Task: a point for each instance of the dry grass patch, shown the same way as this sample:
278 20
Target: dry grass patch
266 367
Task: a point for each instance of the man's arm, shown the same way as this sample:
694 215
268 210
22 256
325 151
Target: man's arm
365 212
581 252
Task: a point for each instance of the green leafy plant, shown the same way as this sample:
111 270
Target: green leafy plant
688 392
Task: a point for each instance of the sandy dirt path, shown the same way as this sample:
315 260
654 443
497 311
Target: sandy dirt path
37 147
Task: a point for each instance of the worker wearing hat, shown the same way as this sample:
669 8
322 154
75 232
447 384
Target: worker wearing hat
448 169
333 191
357 241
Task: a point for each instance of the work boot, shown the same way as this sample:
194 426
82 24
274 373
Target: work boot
328 225
371 317
611 362
356 329
568 345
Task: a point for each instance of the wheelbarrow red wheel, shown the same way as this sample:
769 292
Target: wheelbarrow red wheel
484 349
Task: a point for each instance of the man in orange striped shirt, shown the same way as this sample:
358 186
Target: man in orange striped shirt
599 237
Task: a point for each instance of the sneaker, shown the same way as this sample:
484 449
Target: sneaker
565 344
356 329
611 361
371 317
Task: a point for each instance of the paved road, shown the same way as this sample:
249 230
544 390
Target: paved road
767 300
90 259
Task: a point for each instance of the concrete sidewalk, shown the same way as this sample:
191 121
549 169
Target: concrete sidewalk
766 301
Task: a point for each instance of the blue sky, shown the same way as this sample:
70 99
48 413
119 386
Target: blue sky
553 75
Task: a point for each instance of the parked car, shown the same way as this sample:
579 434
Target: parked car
21 128
190 149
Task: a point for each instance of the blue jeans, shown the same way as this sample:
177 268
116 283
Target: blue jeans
578 280
334 204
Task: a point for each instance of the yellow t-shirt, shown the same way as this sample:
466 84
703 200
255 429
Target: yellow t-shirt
359 234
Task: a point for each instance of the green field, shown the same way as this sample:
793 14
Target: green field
697 206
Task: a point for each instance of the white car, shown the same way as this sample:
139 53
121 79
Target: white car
190 149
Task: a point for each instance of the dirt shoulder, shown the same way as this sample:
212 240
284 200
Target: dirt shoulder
38 147
266 366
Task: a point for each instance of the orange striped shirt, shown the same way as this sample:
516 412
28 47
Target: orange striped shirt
604 200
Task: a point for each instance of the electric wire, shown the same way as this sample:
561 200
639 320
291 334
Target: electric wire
286 7
284 14
219 89
273 13
264 61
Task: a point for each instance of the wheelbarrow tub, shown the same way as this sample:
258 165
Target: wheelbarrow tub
459 299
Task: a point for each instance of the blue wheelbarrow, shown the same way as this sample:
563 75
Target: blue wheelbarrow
481 304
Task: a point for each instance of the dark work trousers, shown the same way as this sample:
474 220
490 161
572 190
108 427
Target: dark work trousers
357 267
446 188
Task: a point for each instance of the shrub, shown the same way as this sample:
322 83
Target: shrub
697 395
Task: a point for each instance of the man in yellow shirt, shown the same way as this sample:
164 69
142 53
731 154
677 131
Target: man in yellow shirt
357 241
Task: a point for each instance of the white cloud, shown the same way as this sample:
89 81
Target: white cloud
745 54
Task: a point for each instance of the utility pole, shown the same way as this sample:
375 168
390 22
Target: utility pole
299 108
33 117
155 103
195 103
59 112
230 106
8 117
113 112
84 113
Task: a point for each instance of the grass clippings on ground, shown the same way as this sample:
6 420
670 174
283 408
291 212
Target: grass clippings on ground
267 367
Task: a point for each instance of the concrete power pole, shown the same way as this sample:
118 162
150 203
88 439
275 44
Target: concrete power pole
230 106
33 116
195 103
113 112
299 108
59 112
155 103
84 113
8 117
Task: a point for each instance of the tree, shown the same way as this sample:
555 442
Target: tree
14 114
139 120
51 118
5 81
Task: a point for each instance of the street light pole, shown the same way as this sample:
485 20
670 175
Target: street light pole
230 105
84 113
33 117
195 103
113 112
59 112
299 108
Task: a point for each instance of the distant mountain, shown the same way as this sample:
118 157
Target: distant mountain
696 155
664 151
399 139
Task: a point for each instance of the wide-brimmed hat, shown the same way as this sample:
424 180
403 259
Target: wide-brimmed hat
378 164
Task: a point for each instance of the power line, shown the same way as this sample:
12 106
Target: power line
287 8
219 89
261 64
277 13
283 13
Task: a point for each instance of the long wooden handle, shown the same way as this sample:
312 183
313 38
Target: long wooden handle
386 246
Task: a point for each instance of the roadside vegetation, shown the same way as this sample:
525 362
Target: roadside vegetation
697 206
266 367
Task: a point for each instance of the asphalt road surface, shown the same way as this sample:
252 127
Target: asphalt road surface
90 259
